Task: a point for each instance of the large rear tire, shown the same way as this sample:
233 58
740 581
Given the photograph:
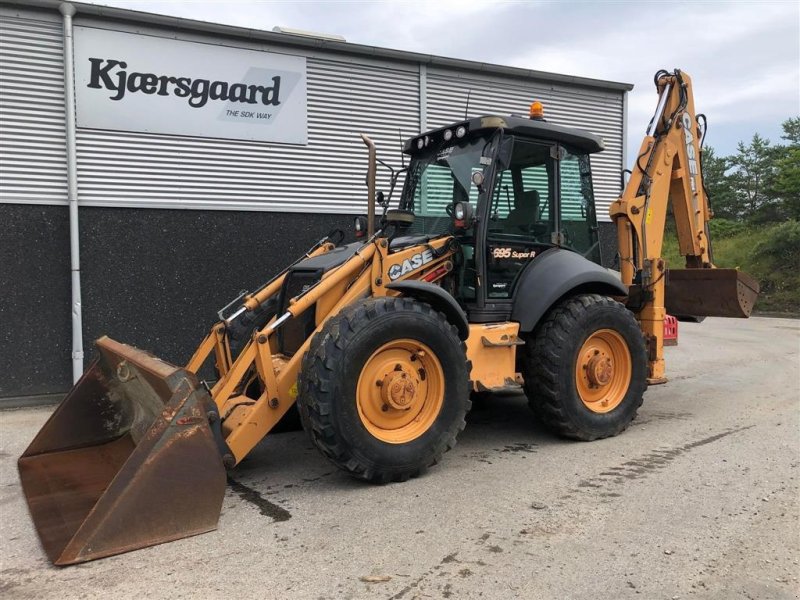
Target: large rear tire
585 368
383 389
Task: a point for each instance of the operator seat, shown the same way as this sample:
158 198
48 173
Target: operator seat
524 214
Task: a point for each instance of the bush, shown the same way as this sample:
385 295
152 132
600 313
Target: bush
782 244
724 228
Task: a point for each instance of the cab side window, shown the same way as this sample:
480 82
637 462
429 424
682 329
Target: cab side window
578 219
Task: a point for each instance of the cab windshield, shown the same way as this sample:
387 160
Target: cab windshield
437 180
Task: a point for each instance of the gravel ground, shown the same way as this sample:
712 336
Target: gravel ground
698 499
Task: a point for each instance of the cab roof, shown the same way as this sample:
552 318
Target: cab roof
579 139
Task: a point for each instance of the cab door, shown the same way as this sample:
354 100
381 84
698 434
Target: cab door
522 217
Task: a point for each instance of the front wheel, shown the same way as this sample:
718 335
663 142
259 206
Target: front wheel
384 388
585 368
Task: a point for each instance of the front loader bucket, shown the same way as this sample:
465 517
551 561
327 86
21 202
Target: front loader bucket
127 460
710 293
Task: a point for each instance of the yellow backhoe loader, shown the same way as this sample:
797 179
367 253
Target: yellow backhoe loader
485 278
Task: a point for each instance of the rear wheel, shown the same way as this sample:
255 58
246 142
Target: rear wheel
384 389
585 368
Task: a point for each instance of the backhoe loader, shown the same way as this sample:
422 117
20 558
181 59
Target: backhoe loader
485 277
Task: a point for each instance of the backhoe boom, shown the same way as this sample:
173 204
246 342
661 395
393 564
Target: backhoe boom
668 171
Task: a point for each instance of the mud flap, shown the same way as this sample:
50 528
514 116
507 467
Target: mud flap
710 293
127 460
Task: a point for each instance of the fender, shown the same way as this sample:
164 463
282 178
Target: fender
554 274
438 298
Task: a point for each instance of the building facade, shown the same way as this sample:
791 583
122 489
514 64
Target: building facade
179 210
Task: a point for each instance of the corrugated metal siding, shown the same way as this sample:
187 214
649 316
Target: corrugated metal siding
33 156
596 111
344 99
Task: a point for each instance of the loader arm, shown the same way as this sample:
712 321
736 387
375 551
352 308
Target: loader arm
668 169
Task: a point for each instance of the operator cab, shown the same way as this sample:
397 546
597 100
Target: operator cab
529 185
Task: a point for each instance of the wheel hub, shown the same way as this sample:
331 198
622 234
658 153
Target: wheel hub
600 370
398 390
603 370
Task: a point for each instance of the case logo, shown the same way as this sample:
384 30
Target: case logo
689 139
410 264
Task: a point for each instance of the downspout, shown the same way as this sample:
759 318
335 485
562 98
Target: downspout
68 11
624 138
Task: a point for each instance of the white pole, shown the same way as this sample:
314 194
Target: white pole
68 11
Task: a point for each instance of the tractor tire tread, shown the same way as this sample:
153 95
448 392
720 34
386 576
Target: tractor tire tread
316 385
542 366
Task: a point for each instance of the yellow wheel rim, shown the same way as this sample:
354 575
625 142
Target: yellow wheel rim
603 371
400 391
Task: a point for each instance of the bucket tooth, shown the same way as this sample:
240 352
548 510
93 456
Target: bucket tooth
127 460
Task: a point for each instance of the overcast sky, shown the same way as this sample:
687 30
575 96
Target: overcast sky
744 57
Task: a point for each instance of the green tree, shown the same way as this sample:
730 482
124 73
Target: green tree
724 202
791 131
753 175
787 169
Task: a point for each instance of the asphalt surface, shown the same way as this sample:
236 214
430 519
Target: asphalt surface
698 499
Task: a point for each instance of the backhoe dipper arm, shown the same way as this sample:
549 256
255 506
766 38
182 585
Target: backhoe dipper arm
667 170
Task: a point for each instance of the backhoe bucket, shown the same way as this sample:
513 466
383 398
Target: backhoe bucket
127 460
710 293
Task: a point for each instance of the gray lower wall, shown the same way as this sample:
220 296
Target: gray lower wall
607 234
152 278
35 300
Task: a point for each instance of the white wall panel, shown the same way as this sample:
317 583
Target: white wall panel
347 95
327 175
33 165
596 111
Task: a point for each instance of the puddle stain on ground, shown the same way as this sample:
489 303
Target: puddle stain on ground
521 448
265 507
518 447
641 467
312 479
448 588
649 417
